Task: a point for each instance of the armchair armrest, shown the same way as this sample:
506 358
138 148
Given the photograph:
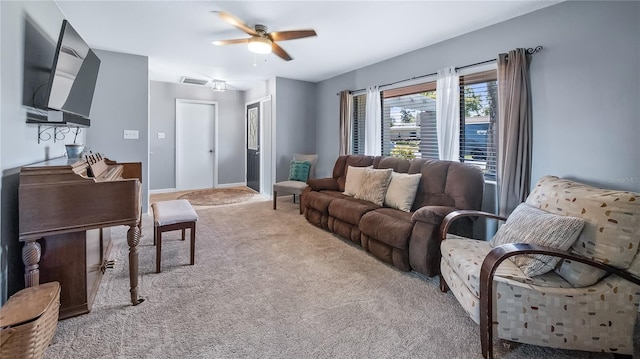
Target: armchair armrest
319 184
502 252
446 222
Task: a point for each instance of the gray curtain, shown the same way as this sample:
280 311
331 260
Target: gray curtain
345 123
514 129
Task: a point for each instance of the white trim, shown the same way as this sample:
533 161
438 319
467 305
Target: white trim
163 190
262 147
478 68
215 137
260 102
274 145
215 145
148 172
227 185
421 80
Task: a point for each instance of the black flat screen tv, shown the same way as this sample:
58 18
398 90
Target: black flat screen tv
73 76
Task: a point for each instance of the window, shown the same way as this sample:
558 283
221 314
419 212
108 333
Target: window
358 119
409 121
478 116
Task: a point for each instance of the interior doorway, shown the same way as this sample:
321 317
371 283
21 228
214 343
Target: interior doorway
196 144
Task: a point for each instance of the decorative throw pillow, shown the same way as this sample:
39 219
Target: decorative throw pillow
531 225
373 185
402 190
312 159
352 182
299 171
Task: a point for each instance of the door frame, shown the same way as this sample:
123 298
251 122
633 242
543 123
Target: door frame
215 137
261 101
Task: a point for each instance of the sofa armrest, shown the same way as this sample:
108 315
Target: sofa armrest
502 252
321 184
448 220
431 214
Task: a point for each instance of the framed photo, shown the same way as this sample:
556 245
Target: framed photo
252 130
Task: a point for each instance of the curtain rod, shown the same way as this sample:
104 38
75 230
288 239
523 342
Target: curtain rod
529 51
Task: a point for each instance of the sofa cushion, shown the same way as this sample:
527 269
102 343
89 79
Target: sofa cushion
319 200
447 183
531 225
399 165
389 226
373 185
402 191
611 234
333 193
353 180
349 209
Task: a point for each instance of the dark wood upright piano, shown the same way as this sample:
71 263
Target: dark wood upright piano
66 209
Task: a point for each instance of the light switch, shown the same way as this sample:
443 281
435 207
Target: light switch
131 134
160 134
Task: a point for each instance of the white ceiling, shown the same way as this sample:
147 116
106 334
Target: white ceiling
177 35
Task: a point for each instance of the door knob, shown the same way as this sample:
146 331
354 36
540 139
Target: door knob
210 151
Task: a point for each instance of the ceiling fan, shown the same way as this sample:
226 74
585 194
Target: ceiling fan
261 41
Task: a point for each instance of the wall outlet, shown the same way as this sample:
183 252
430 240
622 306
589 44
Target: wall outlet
131 134
160 134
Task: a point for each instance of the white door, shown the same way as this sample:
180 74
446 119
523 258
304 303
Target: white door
195 144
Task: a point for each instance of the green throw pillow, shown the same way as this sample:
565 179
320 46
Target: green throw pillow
299 170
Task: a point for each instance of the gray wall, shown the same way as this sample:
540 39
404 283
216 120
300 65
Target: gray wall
295 122
259 91
18 141
121 102
163 119
585 87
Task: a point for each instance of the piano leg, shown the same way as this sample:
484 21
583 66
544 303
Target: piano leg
133 238
31 253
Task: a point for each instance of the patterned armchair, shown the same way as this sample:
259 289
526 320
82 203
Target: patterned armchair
587 301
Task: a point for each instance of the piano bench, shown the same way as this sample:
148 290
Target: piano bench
172 216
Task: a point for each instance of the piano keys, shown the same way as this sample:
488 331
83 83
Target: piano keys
64 207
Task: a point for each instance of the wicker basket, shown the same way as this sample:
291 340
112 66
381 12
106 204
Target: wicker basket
28 321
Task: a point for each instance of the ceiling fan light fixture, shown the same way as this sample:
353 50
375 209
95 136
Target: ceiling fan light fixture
260 45
219 86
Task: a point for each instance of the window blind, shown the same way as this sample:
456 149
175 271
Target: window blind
478 120
409 122
358 120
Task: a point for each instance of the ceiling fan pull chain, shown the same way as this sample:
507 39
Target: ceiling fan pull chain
254 60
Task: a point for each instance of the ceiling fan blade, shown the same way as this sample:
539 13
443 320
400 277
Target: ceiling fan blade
291 35
229 42
280 52
237 23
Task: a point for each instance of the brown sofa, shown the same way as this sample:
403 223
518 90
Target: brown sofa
406 240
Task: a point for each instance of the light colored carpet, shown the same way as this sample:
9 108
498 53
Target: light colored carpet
267 284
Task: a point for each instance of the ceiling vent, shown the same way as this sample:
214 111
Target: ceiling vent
193 81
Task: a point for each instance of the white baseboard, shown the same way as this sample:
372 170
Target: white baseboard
227 185
162 190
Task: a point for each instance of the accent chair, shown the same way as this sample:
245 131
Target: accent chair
583 294
294 185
